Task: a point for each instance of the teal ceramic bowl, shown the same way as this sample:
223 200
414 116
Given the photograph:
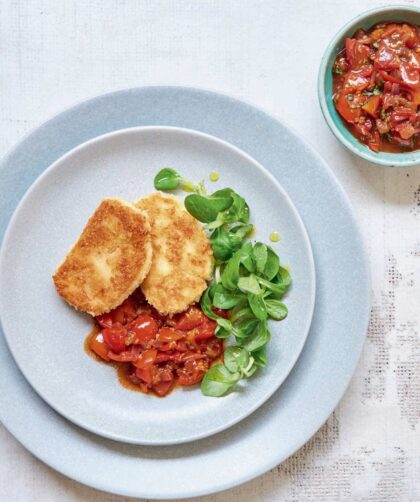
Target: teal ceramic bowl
398 13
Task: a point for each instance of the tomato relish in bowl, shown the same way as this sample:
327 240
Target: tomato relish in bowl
376 86
154 353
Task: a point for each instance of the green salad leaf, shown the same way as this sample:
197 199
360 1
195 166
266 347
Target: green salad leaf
238 211
245 328
226 299
206 302
272 264
230 275
260 356
218 380
246 257
259 339
249 284
169 179
224 243
257 304
283 277
236 358
276 309
260 254
206 208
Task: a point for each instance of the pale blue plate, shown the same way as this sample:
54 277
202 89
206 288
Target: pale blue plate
51 334
318 380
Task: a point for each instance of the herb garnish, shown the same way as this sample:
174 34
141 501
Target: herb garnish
169 179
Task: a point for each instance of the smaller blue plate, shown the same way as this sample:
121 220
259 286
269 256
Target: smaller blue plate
47 342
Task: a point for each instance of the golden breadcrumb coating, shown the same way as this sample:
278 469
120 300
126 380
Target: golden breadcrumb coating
182 256
110 259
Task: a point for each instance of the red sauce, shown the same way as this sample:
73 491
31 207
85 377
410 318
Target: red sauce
376 87
122 369
153 353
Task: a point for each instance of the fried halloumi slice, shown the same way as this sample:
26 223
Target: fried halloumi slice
182 257
110 259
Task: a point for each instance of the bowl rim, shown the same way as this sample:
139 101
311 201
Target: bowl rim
398 159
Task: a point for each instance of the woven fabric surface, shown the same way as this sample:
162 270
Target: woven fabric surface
266 52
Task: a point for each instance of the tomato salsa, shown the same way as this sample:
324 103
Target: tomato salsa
154 353
376 86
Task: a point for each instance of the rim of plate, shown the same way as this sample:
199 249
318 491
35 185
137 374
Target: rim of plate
319 420
263 397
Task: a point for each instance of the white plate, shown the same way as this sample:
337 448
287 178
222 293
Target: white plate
47 342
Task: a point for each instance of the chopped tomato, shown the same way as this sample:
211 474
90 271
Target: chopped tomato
416 97
168 335
145 374
163 388
192 372
364 128
402 115
146 359
163 357
213 347
163 380
130 355
341 65
126 312
372 105
190 356
142 329
382 126
387 77
406 131
206 330
358 80
186 379
115 338
155 351
145 308
401 32
190 319
356 52
386 58
105 320
182 346
375 35
349 112
409 74
98 346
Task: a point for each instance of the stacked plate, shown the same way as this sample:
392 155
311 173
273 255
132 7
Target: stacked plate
186 444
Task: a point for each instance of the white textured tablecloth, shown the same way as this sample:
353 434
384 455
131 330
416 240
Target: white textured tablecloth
57 52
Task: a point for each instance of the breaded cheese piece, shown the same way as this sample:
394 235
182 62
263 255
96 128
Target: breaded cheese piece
182 256
110 259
